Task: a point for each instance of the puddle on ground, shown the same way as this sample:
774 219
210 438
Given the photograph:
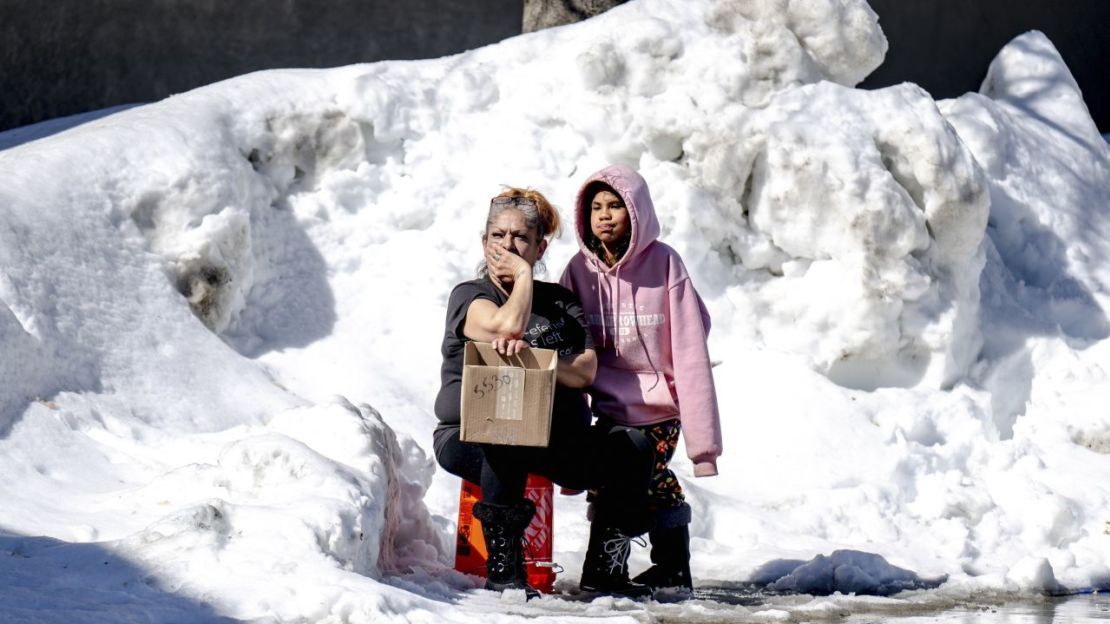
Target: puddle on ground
1086 608
1064 610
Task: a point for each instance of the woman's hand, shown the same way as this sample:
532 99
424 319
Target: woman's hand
504 265
512 275
509 346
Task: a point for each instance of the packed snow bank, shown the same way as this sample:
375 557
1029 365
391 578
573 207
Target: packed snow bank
1048 175
186 287
864 212
1045 296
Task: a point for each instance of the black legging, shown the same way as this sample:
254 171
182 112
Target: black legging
612 458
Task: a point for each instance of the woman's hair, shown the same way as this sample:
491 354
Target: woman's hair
539 216
593 243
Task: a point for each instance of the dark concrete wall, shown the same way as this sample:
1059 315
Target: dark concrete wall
946 45
59 57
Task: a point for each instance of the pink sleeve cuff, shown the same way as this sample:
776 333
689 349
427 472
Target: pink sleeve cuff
705 469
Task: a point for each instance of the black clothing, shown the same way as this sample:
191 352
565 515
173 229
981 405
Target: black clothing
605 569
557 322
670 552
615 459
503 530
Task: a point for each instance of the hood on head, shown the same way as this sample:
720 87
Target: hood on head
633 190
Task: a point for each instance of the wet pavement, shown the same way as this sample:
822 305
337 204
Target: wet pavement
1064 610
1076 609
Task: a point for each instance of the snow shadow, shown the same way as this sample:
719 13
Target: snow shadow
1043 87
18 136
291 303
1035 260
1026 291
32 371
49 581
844 571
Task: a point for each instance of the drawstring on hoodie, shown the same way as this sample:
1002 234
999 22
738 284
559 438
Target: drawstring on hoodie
643 343
616 309
601 301
617 316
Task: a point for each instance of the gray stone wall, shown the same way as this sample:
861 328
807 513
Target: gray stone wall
59 57
946 45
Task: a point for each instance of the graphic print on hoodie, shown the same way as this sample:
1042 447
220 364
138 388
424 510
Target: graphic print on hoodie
649 326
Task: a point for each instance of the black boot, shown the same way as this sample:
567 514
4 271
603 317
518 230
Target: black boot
606 567
670 552
503 529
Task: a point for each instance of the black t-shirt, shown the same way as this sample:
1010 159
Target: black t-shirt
556 323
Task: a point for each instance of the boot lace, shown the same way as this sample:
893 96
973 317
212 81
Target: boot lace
616 551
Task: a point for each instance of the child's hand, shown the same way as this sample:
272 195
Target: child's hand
705 469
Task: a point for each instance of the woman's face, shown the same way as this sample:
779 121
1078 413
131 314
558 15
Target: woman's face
509 232
609 220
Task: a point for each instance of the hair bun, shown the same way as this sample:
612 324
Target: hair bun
547 219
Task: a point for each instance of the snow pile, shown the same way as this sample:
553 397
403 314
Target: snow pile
1045 297
864 212
844 571
320 491
797 43
907 296
1049 230
128 423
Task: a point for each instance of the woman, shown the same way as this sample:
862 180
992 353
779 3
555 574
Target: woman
507 307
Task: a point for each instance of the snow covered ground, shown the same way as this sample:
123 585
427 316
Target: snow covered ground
220 318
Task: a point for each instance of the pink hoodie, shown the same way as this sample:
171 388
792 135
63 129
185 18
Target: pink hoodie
649 325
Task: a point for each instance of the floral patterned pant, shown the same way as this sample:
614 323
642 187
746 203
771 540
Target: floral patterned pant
665 492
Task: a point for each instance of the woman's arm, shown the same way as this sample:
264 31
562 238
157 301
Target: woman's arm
577 371
485 320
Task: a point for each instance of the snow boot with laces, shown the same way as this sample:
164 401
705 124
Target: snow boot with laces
503 529
606 567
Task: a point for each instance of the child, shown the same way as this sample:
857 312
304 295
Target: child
649 326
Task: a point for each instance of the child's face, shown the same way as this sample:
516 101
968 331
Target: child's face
609 220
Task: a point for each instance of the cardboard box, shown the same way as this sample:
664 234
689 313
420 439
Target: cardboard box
507 400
